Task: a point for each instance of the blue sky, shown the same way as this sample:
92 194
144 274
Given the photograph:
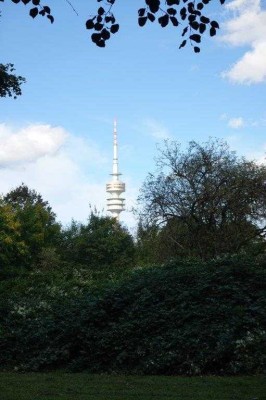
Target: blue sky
57 137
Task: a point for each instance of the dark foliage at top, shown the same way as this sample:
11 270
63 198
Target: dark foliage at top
189 15
36 8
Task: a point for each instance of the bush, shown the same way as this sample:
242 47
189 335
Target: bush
183 318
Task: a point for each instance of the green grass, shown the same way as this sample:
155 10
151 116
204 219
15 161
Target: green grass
63 386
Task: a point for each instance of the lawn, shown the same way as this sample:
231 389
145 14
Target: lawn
63 386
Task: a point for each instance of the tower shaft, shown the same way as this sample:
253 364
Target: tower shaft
115 204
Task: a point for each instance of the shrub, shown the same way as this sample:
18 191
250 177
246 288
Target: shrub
183 318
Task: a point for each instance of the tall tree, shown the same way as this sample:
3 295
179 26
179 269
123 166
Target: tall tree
208 201
38 225
13 248
101 243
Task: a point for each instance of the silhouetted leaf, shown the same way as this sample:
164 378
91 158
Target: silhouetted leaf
172 2
190 7
185 31
95 37
16 1
200 6
174 21
100 43
212 31
98 26
197 12
195 37
215 24
142 21
171 11
202 28
101 11
204 20
25 1
47 9
36 2
183 13
105 34
196 49
141 12
90 24
114 28
194 25
163 21
192 18
151 17
182 44
51 18
154 5
34 12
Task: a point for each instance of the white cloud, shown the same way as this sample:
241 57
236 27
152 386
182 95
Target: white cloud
29 144
247 27
240 122
233 122
69 171
156 129
236 123
251 68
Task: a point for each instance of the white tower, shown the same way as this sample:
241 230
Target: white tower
115 204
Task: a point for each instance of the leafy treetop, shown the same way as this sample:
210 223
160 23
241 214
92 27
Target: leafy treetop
37 221
208 201
9 82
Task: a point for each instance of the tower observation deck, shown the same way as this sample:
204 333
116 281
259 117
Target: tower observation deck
115 203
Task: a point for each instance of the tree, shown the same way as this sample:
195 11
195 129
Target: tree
101 243
38 226
10 84
189 15
208 201
12 246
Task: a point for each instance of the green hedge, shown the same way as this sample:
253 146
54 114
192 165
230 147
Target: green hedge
183 318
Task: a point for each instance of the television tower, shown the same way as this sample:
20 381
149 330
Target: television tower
115 204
